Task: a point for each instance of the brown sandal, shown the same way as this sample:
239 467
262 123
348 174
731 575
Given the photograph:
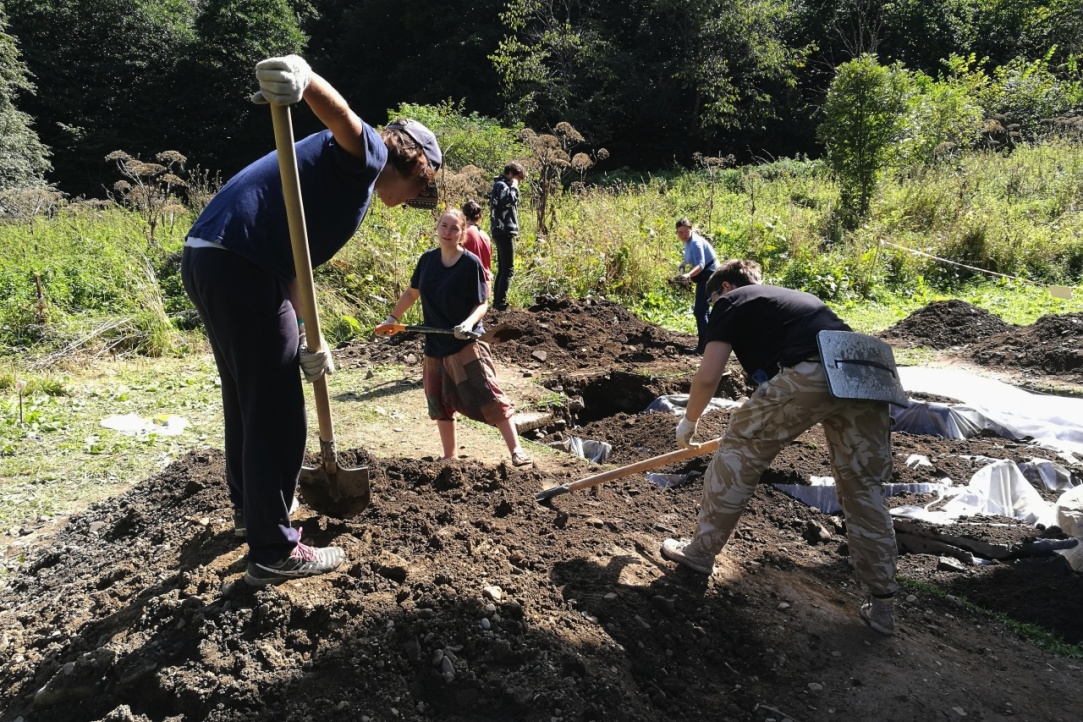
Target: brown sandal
520 458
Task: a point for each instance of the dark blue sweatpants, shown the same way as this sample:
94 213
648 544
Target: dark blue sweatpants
252 328
701 308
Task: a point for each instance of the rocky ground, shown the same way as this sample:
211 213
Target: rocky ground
465 599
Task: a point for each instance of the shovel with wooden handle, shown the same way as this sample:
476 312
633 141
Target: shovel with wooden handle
646 465
330 489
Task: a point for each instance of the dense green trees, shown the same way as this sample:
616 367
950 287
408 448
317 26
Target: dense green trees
146 75
656 74
23 158
104 72
654 81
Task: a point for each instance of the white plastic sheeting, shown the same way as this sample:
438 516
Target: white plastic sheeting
997 489
1052 421
597 451
820 493
676 403
951 422
136 425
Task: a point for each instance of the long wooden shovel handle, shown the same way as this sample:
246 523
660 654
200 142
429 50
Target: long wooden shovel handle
646 465
302 263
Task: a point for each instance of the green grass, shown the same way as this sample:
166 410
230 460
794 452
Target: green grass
1032 633
58 457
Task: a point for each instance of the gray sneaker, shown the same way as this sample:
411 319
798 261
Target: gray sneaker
677 551
879 614
305 561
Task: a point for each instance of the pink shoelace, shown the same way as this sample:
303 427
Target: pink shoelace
303 551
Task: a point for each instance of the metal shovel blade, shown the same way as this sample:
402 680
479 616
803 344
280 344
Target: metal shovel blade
342 494
547 494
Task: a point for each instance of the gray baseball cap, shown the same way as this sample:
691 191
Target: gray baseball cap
424 138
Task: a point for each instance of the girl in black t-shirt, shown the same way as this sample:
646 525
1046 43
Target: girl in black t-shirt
459 375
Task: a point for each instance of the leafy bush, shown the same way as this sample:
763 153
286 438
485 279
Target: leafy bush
466 139
862 118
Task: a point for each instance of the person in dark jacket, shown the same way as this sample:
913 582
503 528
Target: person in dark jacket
504 227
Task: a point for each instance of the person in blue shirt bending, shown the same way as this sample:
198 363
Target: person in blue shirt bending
237 268
700 260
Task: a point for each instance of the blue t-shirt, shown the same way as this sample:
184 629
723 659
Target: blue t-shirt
248 216
448 296
698 252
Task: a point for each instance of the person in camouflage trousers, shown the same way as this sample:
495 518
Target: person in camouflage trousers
772 331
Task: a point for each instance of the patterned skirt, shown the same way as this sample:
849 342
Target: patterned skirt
465 382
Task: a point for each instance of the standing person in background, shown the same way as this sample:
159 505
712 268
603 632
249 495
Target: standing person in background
458 374
774 332
504 225
237 268
477 242
700 260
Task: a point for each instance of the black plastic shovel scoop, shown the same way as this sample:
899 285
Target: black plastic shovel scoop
329 489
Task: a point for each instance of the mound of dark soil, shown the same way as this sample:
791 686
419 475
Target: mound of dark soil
1051 345
464 599
554 336
945 324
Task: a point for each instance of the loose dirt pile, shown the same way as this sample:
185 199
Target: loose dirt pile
464 599
1052 345
944 324
556 335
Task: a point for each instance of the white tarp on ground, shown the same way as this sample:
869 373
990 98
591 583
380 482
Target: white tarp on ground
1052 421
136 425
597 451
997 489
676 404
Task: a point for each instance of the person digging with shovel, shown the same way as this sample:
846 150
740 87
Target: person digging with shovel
777 334
458 375
238 269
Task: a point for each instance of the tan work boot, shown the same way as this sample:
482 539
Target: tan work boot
879 614
677 551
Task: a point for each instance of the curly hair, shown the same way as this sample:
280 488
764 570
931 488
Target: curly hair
405 155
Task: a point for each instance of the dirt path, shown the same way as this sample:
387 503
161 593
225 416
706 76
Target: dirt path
464 599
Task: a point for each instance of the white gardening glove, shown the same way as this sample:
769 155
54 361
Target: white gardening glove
282 81
315 364
463 331
685 431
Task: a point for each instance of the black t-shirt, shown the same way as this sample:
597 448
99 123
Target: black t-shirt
770 325
448 295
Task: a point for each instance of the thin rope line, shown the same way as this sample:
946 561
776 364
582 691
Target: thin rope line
972 268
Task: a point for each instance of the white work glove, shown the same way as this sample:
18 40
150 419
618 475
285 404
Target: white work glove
685 431
463 331
282 81
315 364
